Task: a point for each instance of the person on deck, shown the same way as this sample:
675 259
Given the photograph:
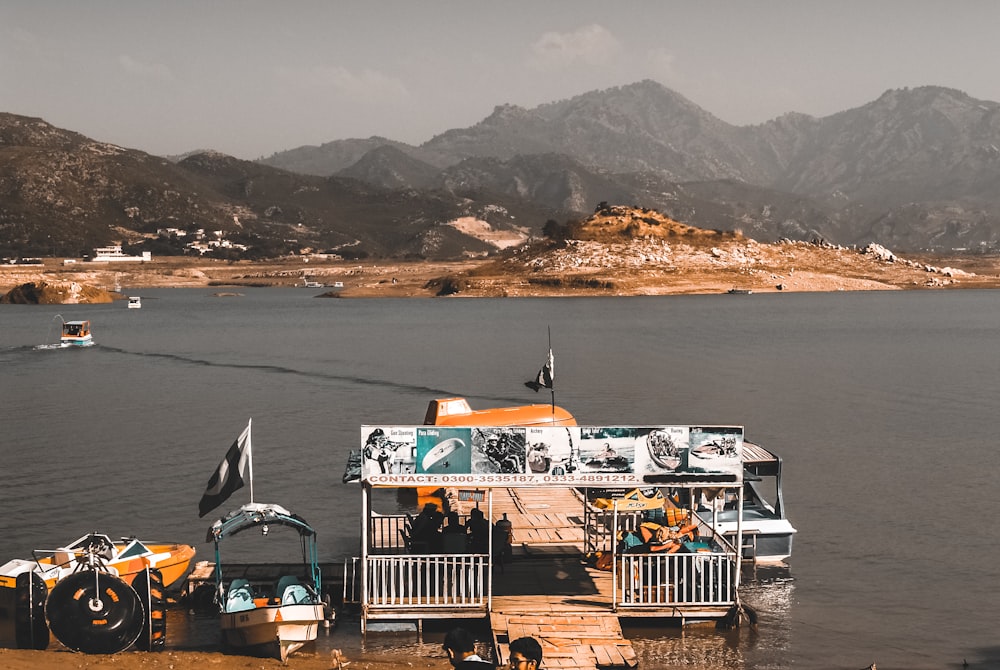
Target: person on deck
461 649
454 524
479 532
426 530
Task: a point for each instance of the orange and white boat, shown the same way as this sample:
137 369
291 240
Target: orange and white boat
124 558
457 412
76 334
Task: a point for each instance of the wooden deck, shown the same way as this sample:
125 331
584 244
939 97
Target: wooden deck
573 620
546 521
569 640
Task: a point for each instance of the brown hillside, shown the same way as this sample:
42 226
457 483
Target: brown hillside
617 223
45 293
634 251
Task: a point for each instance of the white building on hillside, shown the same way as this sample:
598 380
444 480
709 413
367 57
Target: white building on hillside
114 254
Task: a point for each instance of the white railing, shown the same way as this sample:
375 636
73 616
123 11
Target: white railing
654 580
427 581
385 534
599 527
352 587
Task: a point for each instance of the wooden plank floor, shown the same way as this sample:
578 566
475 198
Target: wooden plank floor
559 601
545 520
578 641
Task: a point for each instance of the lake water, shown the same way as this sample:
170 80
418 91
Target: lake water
883 406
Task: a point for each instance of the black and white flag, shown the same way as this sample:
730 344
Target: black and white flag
545 376
229 476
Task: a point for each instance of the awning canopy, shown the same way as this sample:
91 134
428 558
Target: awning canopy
255 515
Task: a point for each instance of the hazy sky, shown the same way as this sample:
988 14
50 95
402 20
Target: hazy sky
251 78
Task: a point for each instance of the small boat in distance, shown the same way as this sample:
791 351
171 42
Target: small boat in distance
275 620
76 333
739 291
134 302
311 284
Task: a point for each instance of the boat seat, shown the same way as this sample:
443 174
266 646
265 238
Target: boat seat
296 594
290 591
240 596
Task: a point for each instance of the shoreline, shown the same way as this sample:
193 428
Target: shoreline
170 659
482 278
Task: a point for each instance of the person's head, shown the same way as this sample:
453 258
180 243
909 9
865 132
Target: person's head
458 644
525 654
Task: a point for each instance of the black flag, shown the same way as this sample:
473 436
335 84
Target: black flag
229 476
545 376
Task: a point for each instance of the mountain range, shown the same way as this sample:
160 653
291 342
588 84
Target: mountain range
916 169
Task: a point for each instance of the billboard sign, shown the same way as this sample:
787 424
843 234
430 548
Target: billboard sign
616 456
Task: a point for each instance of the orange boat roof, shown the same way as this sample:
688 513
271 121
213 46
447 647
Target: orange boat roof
457 412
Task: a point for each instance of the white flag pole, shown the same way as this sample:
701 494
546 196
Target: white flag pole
250 455
552 373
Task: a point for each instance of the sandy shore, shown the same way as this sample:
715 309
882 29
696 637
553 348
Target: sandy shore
801 268
63 659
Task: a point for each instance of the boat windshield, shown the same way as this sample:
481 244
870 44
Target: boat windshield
134 548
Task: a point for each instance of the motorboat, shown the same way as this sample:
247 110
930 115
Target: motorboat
767 533
124 558
76 333
663 451
134 302
457 412
96 596
278 620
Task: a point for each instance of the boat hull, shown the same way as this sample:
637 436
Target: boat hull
275 630
77 341
767 541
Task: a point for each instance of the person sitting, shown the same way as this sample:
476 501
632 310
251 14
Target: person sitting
479 532
426 531
461 649
454 525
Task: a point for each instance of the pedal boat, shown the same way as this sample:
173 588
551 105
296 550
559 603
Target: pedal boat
124 558
276 622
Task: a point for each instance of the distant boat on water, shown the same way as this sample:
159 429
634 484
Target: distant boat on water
134 302
76 334
739 291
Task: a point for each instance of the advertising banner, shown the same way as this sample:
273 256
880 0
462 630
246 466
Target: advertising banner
617 456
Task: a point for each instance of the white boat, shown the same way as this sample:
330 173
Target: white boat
311 284
134 302
767 534
277 621
76 333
